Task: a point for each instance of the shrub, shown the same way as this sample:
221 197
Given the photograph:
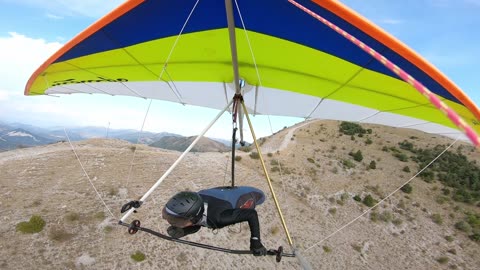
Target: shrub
368 141
437 219
108 229
442 260
406 169
373 165
406 145
475 237
401 156
245 148
369 201
72 216
327 249
357 156
34 225
349 128
357 248
441 199
386 216
407 188
238 158
454 170
374 216
59 235
357 198
397 222
348 163
332 211
138 256
344 197
254 155
449 238
274 230
463 226
311 160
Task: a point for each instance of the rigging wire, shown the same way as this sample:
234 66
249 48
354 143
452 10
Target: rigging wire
382 200
178 37
86 174
138 140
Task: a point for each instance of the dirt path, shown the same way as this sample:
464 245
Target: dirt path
279 143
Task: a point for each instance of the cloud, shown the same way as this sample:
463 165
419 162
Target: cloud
55 17
61 8
19 57
391 21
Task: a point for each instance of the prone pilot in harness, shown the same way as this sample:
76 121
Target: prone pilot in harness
215 208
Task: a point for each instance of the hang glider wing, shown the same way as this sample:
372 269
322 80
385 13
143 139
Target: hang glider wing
291 64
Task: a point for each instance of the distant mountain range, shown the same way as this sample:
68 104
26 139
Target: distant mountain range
18 135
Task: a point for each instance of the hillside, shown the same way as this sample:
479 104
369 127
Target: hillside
314 172
182 143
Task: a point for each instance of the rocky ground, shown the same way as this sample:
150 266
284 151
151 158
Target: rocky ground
314 190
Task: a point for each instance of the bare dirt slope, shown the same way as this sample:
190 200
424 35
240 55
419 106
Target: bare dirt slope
313 187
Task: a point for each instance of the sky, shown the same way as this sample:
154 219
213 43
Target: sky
445 32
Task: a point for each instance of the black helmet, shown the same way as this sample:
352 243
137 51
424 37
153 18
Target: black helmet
183 207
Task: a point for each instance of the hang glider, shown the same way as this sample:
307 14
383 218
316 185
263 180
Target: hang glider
290 64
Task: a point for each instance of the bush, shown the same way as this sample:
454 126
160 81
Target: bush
463 226
327 249
311 160
406 169
437 219
254 155
60 235
401 156
245 148
349 128
373 165
442 260
138 256
357 198
348 164
475 237
35 225
369 201
386 216
374 216
397 222
72 217
238 158
406 145
357 156
407 188
274 230
454 170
